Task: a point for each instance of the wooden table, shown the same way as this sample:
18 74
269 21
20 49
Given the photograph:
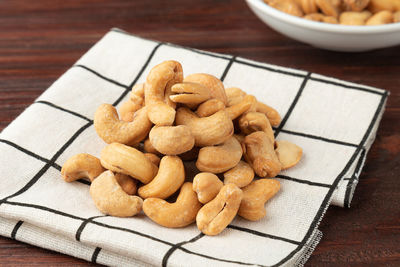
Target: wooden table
39 40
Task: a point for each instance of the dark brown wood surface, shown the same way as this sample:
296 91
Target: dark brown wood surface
39 40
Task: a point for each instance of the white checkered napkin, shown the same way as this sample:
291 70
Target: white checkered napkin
335 123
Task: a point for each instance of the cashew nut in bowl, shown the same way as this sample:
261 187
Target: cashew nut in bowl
190 94
171 140
137 94
355 5
127 183
255 195
216 87
259 153
207 185
111 129
376 6
234 95
109 197
159 78
153 158
220 158
174 215
238 109
288 6
81 166
207 131
329 7
168 180
382 17
128 160
215 216
309 6
288 153
321 18
354 18
210 107
256 121
396 16
241 175
128 109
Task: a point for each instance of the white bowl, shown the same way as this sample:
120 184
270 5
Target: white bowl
327 36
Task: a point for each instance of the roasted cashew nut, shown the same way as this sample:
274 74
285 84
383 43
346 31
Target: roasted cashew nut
220 158
234 95
355 5
216 87
190 94
111 129
210 107
382 17
137 94
81 166
288 6
128 109
160 78
256 121
309 6
153 158
238 109
255 195
128 160
215 216
272 115
207 185
288 153
354 18
173 215
168 180
207 131
241 175
171 140
329 7
376 6
149 148
127 183
109 197
259 153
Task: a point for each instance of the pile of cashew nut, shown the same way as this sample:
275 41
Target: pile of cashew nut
171 123
345 12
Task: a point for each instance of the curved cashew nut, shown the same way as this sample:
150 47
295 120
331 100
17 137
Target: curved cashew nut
329 7
238 109
259 153
234 95
217 159
169 178
149 148
128 160
137 94
127 183
354 18
81 166
382 17
288 6
191 94
272 115
153 158
207 131
309 6
288 153
128 109
158 83
111 129
171 140
215 216
207 185
256 121
210 107
109 197
254 197
173 215
355 5
216 87
241 175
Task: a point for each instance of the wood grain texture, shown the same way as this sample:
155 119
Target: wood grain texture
39 40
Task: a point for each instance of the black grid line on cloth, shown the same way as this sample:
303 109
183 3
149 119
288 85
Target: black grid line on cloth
83 224
95 255
63 109
101 76
15 229
257 233
270 68
347 86
302 181
354 177
326 201
178 245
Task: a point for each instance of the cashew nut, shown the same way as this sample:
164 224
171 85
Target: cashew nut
234 95
354 18
309 6
207 131
382 17
241 175
220 158
161 77
207 185
137 94
330 19
376 6
259 153
111 129
148 147
288 153
127 183
355 5
215 86
171 140
238 109
168 180
288 6
215 216
329 7
255 195
191 94
128 109
109 197
153 158
81 166
128 160
210 107
173 215
256 121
